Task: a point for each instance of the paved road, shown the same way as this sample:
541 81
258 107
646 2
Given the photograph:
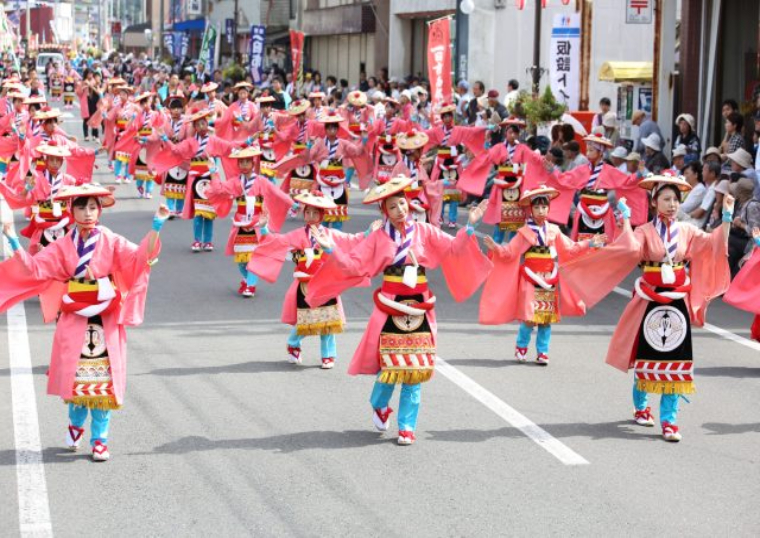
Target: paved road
219 435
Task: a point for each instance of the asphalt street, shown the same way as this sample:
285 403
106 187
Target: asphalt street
219 435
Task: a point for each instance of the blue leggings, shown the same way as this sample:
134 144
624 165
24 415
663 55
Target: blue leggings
100 422
408 405
147 185
453 210
175 204
327 344
251 279
337 225
203 229
121 169
668 404
543 337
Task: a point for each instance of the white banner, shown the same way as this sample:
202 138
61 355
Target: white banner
565 66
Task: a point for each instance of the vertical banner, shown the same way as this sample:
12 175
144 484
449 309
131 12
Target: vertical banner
564 62
208 48
183 42
439 61
229 30
296 53
169 43
256 52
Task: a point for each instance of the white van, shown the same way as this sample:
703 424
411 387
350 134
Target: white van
42 61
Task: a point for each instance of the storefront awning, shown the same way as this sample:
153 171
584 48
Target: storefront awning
626 72
196 25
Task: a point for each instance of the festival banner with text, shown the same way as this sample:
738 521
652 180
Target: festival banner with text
256 52
296 52
565 59
439 61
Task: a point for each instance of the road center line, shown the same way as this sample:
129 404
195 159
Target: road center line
33 507
513 417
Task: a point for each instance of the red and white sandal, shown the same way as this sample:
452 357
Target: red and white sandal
542 359
521 354
100 452
73 437
644 417
328 363
381 418
406 438
670 432
294 355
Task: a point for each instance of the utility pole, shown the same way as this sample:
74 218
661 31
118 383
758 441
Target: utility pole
28 25
161 31
235 56
536 69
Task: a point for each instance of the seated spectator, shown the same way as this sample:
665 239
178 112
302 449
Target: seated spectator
679 159
711 177
746 217
647 127
712 155
633 164
741 163
694 198
688 138
617 156
573 156
656 162
734 139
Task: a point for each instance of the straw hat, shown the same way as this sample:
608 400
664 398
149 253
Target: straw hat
52 149
35 100
412 140
44 115
392 101
447 108
17 95
201 114
656 182
13 85
265 99
143 96
741 157
299 107
179 96
317 95
633 157
246 153
88 190
318 200
209 87
331 116
243 85
393 186
598 139
512 120
712 150
357 98
529 195
124 88
118 81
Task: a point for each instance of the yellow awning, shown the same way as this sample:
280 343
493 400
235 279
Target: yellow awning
626 72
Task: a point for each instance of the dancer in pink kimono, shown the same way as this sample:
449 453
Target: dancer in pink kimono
98 281
744 292
425 197
327 154
299 133
446 138
234 125
526 283
140 140
195 153
400 341
307 246
50 219
594 213
683 269
517 169
382 137
252 193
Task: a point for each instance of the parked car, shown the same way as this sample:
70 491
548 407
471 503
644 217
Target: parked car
42 61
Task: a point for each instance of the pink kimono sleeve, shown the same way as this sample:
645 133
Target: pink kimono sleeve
348 269
276 202
710 274
464 266
744 292
221 193
131 274
475 175
499 300
174 155
268 258
24 276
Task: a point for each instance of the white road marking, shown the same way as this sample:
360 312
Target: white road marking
33 506
513 417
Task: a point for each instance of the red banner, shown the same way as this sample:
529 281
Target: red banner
296 52
439 62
